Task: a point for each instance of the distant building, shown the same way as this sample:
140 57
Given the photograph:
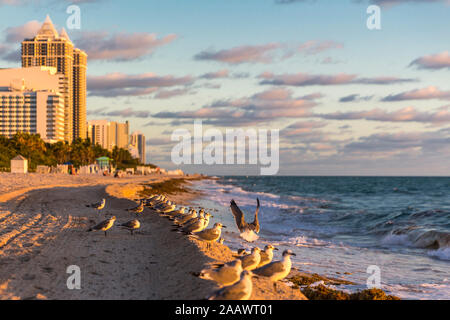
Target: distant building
138 141
108 134
19 164
48 48
30 101
122 134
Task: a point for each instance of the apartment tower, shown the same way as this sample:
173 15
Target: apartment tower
48 48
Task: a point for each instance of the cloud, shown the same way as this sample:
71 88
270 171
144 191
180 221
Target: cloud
120 84
19 33
100 45
305 79
427 93
223 74
355 98
159 142
242 54
434 62
408 114
13 36
125 113
313 47
166 94
266 106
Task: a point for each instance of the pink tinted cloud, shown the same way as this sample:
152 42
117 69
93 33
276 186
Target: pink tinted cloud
241 54
19 33
427 93
313 47
120 84
305 79
408 114
100 45
435 61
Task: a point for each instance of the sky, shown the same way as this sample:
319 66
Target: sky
346 100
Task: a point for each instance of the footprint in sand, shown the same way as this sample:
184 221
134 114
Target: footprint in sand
28 277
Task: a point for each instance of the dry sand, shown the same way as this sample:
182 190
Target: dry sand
43 223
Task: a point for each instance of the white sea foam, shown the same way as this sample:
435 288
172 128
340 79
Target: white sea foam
441 254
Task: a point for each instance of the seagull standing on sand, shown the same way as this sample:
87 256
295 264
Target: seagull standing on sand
98 205
131 225
137 209
240 219
104 225
266 255
210 235
277 270
251 261
226 275
241 290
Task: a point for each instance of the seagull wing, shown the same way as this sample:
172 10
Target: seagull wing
238 216
270 269
255 224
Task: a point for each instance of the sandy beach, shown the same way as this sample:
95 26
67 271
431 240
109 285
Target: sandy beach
43 223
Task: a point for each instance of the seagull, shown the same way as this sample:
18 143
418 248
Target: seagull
186 217
137 209
240 219
226 275
240 253
251 261
196 226
277 270
266 255
131 225
104 225
210 235
98 205
241 290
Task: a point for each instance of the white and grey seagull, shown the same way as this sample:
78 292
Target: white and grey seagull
226 275
104 225
239 217
241 290
131 225
210 235
277 270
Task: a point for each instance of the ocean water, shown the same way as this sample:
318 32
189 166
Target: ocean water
340 225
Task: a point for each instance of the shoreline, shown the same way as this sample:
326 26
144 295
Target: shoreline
42 232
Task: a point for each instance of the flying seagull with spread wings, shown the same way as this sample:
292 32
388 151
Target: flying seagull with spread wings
240 219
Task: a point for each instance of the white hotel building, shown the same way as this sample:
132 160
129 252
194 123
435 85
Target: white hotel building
30 101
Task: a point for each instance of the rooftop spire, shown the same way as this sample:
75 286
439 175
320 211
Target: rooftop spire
47 30
64 34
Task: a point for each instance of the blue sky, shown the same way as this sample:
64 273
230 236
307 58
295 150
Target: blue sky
381 98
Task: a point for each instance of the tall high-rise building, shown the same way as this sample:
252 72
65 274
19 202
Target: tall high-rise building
48 48
138 141
79 93
123 134
108 134
30 102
